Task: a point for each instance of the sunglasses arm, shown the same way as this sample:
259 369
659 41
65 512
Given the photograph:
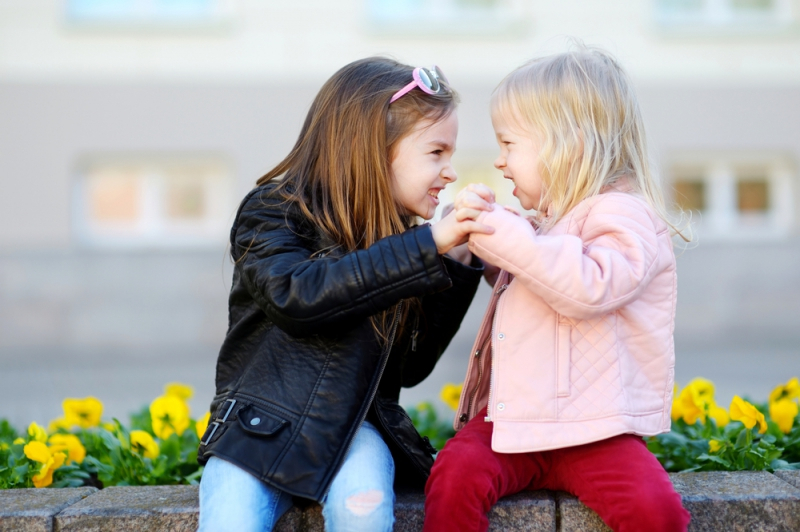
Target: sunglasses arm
403 91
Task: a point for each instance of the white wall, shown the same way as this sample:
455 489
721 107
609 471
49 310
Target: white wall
306 40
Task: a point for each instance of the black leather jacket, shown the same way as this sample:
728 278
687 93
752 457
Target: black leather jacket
301 365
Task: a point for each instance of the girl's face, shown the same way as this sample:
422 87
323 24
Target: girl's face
421 167
518 160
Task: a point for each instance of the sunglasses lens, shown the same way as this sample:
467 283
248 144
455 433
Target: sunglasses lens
439 74
429 80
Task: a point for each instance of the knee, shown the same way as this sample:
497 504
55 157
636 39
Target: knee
368 510
658 511
451 480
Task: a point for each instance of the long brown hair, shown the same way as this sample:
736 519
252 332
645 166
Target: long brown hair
338 172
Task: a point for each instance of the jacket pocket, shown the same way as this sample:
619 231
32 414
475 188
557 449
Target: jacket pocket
563 359
258 422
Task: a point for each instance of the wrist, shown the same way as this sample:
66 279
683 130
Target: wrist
436 233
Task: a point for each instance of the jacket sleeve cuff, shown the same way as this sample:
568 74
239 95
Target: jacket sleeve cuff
463 273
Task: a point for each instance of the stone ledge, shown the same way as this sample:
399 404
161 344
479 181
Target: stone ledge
151 508
33 510
717 501
792 477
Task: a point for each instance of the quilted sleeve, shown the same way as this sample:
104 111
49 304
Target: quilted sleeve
585 276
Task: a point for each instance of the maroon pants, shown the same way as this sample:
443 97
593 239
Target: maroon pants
618 478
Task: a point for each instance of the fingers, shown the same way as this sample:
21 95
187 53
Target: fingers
450 232
476 196
467 214
481 190
477 227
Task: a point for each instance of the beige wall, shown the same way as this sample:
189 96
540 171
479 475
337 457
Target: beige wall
305 41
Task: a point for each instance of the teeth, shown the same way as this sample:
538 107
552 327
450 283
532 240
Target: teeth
433 193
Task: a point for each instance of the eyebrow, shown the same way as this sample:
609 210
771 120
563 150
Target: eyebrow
444 145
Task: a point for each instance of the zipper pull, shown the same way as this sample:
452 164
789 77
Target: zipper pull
501 289
478 353
414 339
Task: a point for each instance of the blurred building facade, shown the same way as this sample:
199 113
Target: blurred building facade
129 129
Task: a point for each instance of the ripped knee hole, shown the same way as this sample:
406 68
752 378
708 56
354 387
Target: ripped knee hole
364 503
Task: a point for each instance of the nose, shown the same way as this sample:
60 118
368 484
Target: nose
500 162
448 173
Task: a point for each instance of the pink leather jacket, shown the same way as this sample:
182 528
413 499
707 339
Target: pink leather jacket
576 345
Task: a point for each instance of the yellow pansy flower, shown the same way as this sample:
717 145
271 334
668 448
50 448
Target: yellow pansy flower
18 441
144 444
451 393
704 388
714 446
783 412
84 412
169 415
37 433
202 424
676 412
743 411
38 452
70 444
790 390
719 415
692 406
181 391
58 423
696 402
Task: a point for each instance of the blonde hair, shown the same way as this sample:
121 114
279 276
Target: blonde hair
581 106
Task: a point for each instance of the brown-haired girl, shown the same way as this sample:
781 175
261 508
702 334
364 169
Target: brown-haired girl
338 300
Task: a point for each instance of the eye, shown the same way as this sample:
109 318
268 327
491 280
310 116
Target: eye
437 152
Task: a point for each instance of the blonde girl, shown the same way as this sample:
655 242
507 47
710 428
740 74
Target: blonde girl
574 361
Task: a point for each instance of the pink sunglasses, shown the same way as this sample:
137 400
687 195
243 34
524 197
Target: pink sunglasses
431 81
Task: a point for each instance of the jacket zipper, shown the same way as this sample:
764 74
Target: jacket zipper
374 391
494 348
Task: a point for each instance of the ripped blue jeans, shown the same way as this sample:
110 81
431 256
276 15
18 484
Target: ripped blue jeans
361 497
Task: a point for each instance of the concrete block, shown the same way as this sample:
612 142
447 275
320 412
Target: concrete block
32 510
409 511
528 511
293 520
575 516
533 511
792 477
742 501
134 509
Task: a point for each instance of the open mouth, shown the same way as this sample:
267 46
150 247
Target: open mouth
434 193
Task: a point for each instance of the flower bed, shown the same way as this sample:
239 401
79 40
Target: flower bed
159 445
747 436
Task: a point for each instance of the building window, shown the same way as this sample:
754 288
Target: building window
173 13
448 17
734 197
746 15
156 202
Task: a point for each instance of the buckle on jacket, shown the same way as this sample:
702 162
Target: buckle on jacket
219 420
